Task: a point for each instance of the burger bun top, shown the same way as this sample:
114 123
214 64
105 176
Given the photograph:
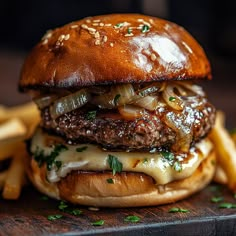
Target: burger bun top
110 49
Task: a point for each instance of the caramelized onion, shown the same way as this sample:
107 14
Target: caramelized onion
171 98
44 101
148 90
69 103
183 130
125 92
131 112
104 101
149 102
197 90
119 95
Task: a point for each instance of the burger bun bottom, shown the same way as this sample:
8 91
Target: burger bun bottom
128 189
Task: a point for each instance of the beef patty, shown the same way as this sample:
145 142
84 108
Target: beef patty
111 131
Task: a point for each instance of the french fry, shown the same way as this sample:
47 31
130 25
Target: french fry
3 176
28 113
234 137
8 149
225 149
12 129
220 176
16 124
31 128
15 175
11 133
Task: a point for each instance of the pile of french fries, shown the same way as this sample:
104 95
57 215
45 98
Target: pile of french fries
225 147
16 125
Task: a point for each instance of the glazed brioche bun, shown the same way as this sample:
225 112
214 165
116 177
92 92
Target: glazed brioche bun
130 189
100 50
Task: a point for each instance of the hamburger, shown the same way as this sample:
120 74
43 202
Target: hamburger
124 122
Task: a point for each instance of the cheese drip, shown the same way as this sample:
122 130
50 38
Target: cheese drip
94 158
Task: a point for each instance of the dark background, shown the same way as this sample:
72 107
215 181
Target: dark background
212 23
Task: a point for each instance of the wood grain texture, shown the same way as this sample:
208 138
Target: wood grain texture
28 216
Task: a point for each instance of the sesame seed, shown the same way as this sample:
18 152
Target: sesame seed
153 57
91 30
108 24
151 21
144 22
122 24
59 43
126 23
101 24
84 26
97 35
67 36
45 41
47 35
74 26
95 24
88 21
97 42
128 35
111 44
61 37
104 38
96 20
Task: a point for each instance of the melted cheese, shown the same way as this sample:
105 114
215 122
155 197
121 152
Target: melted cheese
95 159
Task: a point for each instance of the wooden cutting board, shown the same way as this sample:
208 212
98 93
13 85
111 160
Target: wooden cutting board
28 216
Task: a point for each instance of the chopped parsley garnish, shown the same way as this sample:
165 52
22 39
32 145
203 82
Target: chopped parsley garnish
75 212
172 99
81 149
91 115
50 159
217 199
98 223
110 181
145 161
114 164
41 158
58 164
117 97
129 31
227 205
119 25
178 209
54 217
145 28
63 206
133 219
169 156
177 166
